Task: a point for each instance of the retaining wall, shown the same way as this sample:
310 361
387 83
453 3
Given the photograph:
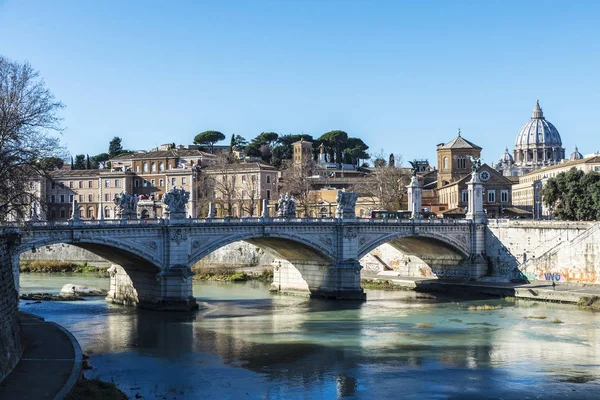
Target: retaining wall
11 347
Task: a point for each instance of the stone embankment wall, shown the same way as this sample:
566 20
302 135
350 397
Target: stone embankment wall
544 250
65 252
10 332
235 255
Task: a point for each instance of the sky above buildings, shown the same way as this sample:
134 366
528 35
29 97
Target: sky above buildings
403 76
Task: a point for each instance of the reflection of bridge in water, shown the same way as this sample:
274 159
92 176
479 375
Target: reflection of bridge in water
152 259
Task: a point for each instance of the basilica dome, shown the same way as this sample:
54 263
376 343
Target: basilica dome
537 131
576 155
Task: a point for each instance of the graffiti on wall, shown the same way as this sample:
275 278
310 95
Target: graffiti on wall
572 274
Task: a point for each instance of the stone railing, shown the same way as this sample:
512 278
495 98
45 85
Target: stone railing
229 220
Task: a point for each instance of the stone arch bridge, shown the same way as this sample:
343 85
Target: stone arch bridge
152 259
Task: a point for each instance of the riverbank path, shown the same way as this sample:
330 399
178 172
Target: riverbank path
51 364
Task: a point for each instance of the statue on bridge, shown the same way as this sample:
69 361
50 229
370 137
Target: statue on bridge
125 205
175 201
346 204
286 206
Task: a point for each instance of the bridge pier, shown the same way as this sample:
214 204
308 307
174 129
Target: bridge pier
315 279
169 289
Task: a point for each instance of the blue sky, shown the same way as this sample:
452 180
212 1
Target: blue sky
401 75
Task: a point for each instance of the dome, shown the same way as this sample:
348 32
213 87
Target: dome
576 155
506 157
538 131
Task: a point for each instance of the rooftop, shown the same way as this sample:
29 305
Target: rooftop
458 143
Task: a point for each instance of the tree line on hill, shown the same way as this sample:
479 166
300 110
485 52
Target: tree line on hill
84 161
273 148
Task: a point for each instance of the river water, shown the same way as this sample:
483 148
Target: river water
245 343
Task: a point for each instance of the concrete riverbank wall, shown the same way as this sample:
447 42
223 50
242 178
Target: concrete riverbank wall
545 250
11 347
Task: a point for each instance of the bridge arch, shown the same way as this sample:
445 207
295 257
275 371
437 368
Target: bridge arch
282 245
134 275
444 255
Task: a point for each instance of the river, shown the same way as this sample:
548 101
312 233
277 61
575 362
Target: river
246 343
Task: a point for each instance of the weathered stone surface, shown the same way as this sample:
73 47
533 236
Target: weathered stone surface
79 290
11 347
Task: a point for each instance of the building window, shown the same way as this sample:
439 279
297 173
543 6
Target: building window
106 196
71 184
153 167
117 184
136 183
445 162
145 167
461 162
183 180
504 196
465 196
63 214
253 178
243 178
90 184
106 183
81 198
62 198
153 182
70 198
81 212
90 213
137 168
80 184
90 197
160 183
161 166
173 181
268 194
145 183
268 179
106 212
244 194
53 214
491 196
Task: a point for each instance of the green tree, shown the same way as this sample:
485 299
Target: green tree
88 163
573 195
100 160
114 147
79 161
209 138
51 163
355 150
335 142
262 146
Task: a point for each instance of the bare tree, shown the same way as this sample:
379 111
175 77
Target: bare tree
224 182
28 120
295 182
386 185
250 194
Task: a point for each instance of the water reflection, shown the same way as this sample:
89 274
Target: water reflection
245 342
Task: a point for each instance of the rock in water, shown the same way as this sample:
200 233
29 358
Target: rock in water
79 290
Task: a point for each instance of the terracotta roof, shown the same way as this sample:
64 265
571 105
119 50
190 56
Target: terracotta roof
240 166
592 159
459 143
173 153
63 173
